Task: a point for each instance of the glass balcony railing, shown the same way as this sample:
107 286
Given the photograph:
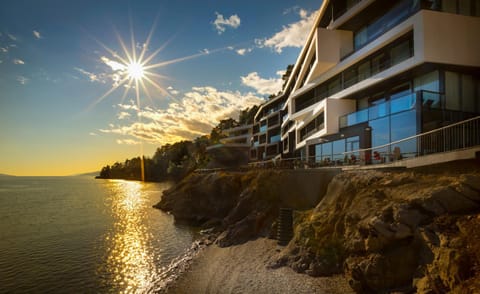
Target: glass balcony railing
263 129
396 105
275 139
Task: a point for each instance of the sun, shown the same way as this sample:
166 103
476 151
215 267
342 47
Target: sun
135 70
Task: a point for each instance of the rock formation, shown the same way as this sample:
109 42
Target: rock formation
398 230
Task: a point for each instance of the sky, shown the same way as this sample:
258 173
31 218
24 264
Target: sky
87 83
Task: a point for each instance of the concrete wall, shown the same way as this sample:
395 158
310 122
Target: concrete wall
303 189
449 38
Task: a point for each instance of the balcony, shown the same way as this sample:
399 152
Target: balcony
396 105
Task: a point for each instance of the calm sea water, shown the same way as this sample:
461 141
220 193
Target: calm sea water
77 234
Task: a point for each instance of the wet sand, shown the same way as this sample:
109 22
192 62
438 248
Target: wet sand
242 269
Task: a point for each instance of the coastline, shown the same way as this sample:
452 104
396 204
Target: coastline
243 269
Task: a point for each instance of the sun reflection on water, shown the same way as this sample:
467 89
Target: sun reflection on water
129 262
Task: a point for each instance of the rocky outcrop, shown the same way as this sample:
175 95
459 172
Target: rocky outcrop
392 231
386 231
242 206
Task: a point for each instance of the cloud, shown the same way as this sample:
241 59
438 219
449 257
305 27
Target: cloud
12 37
261 85
93 134
127 142
91 76
37 35
22 80
292 35
114 65
18 61
123 115
198 112
243 51
221 23
172 91
4 49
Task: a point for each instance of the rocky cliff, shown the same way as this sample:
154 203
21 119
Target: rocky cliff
403 230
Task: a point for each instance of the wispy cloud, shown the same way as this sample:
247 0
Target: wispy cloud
37 35
222 23
261 85
114 65
22 80
93 134
18 61
172 91
292 35
92 77
197 113
243 51
127 142
12 37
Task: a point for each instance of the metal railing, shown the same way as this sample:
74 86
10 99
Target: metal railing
457 136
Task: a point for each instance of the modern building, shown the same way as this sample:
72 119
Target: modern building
233 150
266 137
372 73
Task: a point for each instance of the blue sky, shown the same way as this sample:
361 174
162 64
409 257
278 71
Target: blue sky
58 59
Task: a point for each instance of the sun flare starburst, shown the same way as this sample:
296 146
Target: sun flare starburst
135 70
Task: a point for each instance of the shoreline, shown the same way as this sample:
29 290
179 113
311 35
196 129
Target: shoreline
244 269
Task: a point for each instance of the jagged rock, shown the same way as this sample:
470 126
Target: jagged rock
408 216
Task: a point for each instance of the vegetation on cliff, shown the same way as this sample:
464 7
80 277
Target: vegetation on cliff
175 161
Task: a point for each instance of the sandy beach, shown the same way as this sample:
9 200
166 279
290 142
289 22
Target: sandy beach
242 269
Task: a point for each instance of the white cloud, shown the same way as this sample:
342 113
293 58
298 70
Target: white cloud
292 35
205 51
4 49
93 134
18 61
198 112
243 51
22 80
114 65
261 85
37 35
123 115
221 23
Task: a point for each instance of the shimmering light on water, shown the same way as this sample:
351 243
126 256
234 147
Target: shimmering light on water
76 234
129 260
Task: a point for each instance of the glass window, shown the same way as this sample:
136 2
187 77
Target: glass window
380 131
334 86
318 152
364 71
404 125
449 6
468 93
477 7
430 86
464 7
360 38
379 63
349 77
452 93
400 52
327 151
338 149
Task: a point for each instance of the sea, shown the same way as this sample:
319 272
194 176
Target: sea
81 235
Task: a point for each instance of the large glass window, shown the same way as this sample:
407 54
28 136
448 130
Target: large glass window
338 149
430 84
380 131
327 151
403 125
400 52
452 89
468 93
